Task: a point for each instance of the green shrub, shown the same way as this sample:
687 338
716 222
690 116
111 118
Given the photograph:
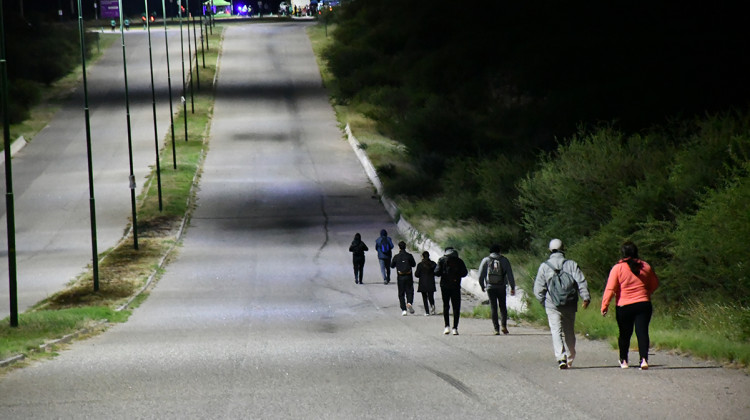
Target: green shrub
572 192
710 248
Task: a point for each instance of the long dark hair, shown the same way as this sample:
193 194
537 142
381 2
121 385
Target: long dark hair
630 255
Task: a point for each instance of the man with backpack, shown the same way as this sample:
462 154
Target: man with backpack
494 274
557 286
384 245
403 262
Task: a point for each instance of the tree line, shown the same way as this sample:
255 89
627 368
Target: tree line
595 122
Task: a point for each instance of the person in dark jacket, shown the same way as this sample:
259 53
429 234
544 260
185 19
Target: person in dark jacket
451 270
426 274
358 248
494 274
403 262
384 245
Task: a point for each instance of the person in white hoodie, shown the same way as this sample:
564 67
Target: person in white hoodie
561 316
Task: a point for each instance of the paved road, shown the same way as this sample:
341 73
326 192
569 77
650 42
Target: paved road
260 317
53 235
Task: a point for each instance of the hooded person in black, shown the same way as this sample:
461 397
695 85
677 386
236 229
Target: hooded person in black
358 248
451 270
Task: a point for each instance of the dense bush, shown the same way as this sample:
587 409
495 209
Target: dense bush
680 194
56 51
710 251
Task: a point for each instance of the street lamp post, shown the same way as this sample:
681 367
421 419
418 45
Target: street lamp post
87 119
153 104
130 139
169 85
197 71
182 54
9 202
190 59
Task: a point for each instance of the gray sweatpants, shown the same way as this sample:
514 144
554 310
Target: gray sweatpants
561 323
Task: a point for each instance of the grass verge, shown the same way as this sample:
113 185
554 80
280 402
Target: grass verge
125 273
703 330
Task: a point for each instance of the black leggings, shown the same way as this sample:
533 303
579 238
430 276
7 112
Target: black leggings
429 300
359 269
639 315
451 296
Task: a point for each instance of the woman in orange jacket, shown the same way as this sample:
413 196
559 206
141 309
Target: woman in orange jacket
631 281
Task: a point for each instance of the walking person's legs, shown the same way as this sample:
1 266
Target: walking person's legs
569 334
503 311
383 267
445 292
492 294
359 267
625 321
554 318
401 294
456 302
426 301
409 289
641 320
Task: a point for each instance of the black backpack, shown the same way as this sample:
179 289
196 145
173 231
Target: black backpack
562 288
402 264
495 274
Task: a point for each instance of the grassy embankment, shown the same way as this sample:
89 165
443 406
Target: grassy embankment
123 271
706 329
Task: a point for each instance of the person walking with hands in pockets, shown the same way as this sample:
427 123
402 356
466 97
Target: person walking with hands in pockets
631 282
426 274
358 248
494 274
451 270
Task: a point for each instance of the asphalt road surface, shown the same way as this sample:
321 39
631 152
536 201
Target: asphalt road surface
260 318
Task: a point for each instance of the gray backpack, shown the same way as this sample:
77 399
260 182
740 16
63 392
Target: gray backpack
495 273
562 288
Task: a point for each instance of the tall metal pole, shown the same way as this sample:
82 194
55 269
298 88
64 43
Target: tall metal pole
153 103
190 59
92 200
208 21
203 51
182 54
197 71
130 139
9 201
169 85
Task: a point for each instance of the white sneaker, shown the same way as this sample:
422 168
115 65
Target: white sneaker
403 313
644 364
447 330
432 310
427 314
455 331
624 364
410 308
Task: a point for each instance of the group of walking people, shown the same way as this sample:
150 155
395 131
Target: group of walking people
558 284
